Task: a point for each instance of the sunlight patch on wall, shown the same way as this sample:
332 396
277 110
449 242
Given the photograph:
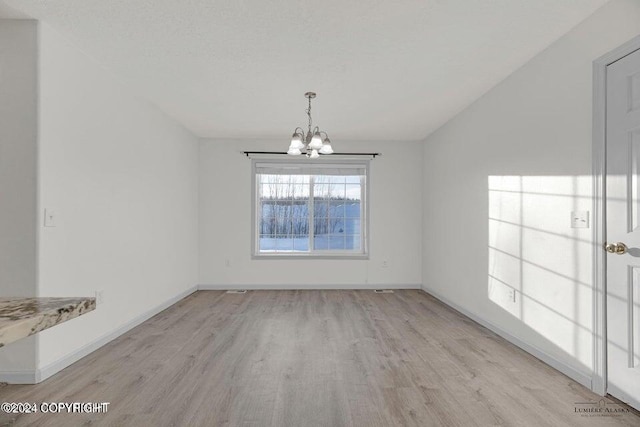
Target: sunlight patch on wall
539 267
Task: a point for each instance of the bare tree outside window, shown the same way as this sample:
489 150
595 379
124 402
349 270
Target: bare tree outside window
299 211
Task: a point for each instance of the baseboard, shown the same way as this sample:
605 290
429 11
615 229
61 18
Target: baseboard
305 287
558 365
19 377
55 367
621 395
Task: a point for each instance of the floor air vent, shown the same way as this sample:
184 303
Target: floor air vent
383 291
237 291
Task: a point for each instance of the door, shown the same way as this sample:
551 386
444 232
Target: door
623 229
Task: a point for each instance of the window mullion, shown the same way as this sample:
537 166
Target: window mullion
363 219
257 182
311 212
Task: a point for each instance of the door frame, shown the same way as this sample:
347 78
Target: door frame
599 171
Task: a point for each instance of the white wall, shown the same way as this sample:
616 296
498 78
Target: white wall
122 178
18 147
500 182
225 222
18 191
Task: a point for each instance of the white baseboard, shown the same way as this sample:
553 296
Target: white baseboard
19 377
305 287
55 367
568 370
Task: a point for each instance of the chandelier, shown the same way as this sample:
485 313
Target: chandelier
312 144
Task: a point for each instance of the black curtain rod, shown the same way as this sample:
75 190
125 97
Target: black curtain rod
247 153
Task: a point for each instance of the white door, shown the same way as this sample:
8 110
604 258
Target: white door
623 229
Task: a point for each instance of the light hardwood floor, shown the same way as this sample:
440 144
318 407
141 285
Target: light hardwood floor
311 358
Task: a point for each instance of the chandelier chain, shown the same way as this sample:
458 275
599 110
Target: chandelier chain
309 114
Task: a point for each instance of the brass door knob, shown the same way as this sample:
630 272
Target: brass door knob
616 248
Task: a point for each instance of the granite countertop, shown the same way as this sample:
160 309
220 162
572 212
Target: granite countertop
21 317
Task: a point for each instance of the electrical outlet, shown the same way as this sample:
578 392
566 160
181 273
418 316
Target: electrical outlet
512 295
384 264
227 263
50 218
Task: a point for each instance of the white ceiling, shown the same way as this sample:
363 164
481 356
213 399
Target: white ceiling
7 12
382 69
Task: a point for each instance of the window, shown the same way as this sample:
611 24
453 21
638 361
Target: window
310 209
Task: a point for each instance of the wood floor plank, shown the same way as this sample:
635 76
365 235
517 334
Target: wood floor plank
311 358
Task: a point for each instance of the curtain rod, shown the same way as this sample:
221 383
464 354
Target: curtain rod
247 153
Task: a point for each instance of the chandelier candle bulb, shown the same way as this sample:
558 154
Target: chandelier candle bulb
311 143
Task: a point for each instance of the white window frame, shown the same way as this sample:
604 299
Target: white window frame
323 254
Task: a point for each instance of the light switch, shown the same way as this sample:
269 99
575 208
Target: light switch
49 218
580 219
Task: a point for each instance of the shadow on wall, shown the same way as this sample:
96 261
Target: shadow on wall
540 269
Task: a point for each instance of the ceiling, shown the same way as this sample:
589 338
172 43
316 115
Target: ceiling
7 12
383 70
